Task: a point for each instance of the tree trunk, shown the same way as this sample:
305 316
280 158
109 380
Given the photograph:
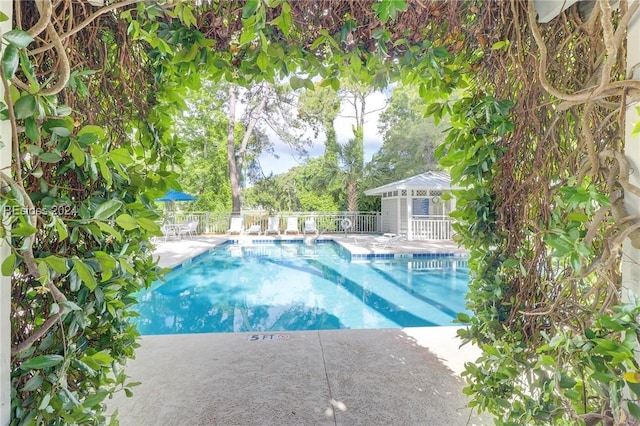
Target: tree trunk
358 166
352 196
236 160
234 173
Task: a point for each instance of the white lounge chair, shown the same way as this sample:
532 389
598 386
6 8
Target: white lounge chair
310 227
273 226
292 225
387 240
236 226
254 229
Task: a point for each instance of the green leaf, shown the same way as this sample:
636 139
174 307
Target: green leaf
121 155
70 305
187 16
262 61
44 403
42 361
388 9
87 139
61 126
248 34
635 388
440 52
636 129
85 273
31 129
24 230
58 264
63 110
610 323
10 61
249 8
61 229
102 358
76 153
25 107
18 38
50 157
296 82
126 222
567 382
96 131
60 131
33 383
634 410
8 265
148 224
110 230
510 263
94 400
107 209
105 172
186 55
499 45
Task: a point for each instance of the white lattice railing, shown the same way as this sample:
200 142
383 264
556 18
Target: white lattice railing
326 222
431 228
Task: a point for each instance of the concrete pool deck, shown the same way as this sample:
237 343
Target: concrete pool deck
407 376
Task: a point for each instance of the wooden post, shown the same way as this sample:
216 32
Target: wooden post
631 257
6 7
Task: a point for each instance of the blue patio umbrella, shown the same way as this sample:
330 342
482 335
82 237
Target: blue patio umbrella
173 195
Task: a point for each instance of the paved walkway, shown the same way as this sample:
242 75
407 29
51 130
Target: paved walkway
405 376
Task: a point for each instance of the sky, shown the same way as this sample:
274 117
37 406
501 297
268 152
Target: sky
372 139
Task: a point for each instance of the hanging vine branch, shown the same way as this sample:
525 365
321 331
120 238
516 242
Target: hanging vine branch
544 219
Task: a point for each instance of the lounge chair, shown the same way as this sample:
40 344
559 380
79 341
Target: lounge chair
236 226
292 225
310 227
254 229
387 240
273 226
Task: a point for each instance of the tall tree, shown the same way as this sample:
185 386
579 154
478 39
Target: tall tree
236 159
409 138
265 107
355 95
320 107
202 129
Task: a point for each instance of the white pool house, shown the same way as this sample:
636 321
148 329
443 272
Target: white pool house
415 206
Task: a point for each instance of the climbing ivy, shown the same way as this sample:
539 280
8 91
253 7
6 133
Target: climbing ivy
78 219
540 165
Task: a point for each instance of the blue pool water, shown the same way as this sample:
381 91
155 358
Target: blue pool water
296 286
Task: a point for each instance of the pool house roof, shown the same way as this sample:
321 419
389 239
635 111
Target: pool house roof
427 180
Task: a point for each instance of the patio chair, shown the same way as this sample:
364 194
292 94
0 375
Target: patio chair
273 226
188 229
236 226
254 229
310 227
169 230
292 225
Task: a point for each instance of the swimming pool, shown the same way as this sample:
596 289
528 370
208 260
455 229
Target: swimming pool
297 286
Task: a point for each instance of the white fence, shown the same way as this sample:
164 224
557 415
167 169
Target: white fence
422 227
431 228
326 222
